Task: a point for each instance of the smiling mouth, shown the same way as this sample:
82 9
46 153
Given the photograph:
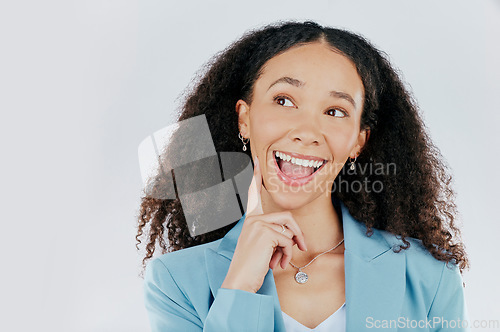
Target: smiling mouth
297 168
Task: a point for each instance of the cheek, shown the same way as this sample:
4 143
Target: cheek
340 141
266 126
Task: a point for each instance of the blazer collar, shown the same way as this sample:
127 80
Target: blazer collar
374 274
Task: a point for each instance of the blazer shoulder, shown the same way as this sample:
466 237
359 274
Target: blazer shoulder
437 281
418 257
187 258
440 283
181 272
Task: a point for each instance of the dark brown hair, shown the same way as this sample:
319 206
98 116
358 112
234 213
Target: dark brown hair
416 200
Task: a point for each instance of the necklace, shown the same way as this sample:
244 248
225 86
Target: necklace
302 277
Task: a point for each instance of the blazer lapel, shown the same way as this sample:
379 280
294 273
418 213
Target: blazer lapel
217 262
374 274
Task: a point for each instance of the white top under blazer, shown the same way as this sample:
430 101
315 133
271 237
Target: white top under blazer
334 323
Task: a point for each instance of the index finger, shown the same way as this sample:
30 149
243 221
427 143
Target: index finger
254 203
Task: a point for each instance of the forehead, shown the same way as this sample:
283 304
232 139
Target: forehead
316 64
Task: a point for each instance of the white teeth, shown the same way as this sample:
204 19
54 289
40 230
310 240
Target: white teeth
297 161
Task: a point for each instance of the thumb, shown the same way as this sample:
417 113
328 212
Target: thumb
254 203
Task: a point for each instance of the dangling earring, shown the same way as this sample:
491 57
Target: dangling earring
243 140
352 168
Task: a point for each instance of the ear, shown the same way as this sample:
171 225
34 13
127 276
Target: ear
363 137
243 110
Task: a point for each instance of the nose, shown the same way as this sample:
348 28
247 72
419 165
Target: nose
307 132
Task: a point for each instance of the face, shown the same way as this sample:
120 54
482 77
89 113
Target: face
307 107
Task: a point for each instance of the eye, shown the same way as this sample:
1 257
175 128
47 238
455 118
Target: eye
282 100
337 112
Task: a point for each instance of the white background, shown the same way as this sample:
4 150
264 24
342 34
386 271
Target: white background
83 82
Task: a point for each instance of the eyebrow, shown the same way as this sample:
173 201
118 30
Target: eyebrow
300 84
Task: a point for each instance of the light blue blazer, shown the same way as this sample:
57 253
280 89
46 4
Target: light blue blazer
405 291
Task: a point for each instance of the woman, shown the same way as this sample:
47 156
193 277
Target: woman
350 216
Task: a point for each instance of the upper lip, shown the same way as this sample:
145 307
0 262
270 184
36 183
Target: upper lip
302 156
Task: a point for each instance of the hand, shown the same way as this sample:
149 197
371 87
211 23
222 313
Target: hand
261 244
